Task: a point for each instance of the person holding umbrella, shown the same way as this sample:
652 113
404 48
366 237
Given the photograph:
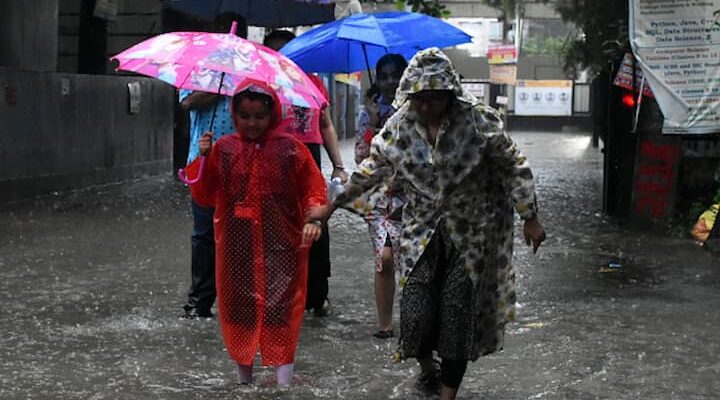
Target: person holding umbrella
205 108
461 174
261 183
383 218
313 129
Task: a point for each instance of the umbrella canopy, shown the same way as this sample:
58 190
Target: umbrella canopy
218 63
356 42
269 13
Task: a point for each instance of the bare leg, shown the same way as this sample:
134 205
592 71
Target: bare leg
428 381
284 374
385 290
451 377
447 393
245 374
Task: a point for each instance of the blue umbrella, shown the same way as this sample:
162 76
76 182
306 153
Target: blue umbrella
270 13
354 43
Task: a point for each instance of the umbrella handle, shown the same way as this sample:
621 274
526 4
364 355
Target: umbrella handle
183 178
367 64
212 120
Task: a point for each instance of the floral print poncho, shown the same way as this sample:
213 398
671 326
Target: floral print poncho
470 178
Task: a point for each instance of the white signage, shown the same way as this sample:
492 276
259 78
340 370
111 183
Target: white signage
477 89
677 43
482 30
551 98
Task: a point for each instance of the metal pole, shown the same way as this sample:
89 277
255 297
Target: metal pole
367 64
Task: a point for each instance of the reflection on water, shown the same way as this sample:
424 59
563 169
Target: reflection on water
93 282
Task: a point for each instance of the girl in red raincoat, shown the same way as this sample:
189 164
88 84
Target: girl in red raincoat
261 183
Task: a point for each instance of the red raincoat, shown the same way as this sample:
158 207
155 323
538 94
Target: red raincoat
261 189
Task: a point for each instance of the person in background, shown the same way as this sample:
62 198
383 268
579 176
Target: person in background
261 183
314 129
201 105
383 218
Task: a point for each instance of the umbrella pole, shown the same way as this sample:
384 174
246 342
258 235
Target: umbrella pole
367 64
212 120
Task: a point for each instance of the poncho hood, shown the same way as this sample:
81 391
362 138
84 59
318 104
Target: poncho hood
431 69
263 88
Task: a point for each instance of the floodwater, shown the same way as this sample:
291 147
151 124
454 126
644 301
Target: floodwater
93 282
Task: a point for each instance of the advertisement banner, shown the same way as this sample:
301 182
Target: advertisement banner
677 44
624 77
503 73
352 79
477 89
543 98
504 54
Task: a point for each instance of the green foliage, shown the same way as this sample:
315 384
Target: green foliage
603 25
605 33
551 46
683 222
429 7
507 6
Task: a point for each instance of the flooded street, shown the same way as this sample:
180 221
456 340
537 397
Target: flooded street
93 282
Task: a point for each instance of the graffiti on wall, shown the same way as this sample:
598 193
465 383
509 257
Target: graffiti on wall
654 186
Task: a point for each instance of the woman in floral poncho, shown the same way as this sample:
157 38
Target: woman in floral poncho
461 174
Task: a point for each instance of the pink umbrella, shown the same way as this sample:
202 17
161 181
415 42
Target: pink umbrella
219 63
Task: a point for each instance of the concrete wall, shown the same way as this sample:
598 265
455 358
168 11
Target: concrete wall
28 29
61 131
529 67
136 21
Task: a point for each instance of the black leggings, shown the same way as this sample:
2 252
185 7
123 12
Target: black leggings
452 372
319 258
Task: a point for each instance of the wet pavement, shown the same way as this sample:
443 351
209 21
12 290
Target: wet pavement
93 282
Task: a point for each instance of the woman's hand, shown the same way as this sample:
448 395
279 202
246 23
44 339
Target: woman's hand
311 232
339 172
205 143
373 110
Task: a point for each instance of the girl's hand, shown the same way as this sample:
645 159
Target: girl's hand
319 213
205 143
311 232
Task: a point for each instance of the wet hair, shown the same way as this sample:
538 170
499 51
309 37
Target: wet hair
280 35
253 96
223 22
390 59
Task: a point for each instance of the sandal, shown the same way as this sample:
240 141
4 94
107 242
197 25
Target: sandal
384 334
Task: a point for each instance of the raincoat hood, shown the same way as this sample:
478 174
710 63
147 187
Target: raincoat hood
431 69
262 88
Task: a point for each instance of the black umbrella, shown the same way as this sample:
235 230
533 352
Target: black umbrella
266 13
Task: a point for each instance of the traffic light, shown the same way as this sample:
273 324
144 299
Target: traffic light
628 100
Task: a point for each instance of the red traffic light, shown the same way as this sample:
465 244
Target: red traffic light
628 100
